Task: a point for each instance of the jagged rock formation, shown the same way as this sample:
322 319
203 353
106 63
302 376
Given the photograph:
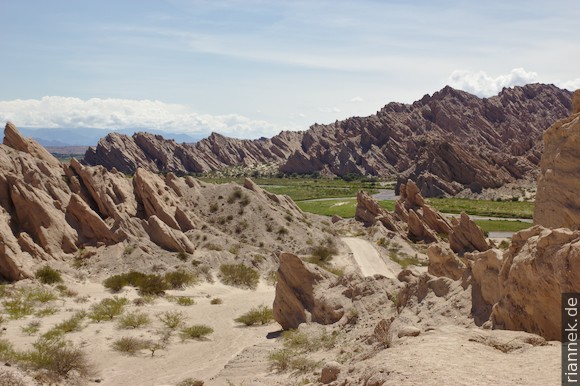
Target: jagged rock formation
447 142
540 265
557 200
421 222
297 298
50 211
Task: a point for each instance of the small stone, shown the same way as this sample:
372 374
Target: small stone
330 372
408 331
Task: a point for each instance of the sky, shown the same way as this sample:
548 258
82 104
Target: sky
253 68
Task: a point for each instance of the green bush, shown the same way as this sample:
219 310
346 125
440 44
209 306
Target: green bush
107 309
239 275
152 285
190 382
258 315
115 283
48 275
134 319
172 319
216 301
74 323
129 345
179 279
184 301
195 332
57 356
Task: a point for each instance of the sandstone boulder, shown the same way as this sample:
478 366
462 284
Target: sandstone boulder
467 236
15 140
168 238
90 227
444 263
540 265
297 298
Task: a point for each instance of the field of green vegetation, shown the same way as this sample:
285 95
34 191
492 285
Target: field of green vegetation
509 209
328 197
300 189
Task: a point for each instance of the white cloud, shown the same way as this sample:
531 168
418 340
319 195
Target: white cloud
332 109
571 85
357 99
67 112
483 85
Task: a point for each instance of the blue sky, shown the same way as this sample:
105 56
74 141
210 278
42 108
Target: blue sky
251 68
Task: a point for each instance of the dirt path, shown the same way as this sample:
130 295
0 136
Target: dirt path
367 257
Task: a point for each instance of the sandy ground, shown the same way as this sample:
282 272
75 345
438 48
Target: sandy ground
368 258
198 359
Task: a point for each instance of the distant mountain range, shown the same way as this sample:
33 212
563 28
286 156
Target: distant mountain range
448 142
90 137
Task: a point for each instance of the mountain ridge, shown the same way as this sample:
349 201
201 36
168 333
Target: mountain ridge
447 142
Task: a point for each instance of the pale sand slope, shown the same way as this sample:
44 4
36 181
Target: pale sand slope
198 359
367 258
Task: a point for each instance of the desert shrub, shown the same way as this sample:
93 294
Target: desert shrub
216 301
504 244
213 207
107 309
212 247
235 195
18 308
129 345
38 294
184 301
48 275
152 285
6 350
190 382
302 342
285 359
57 356
134 319
172 319
65 291
257 315
239 275
182 255
179 279
115 283
46 311
31 328
324 251
8 378
74 323
195 332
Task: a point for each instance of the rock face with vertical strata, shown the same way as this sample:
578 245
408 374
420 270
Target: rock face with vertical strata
557 199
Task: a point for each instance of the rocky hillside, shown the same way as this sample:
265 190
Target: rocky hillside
448 142
52 212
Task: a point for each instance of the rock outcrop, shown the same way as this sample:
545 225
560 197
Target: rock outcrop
557 199
466 236
51 212
298 299
540 265
448 142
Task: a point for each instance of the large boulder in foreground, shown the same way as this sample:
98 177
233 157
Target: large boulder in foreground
540 265
297 298
557 199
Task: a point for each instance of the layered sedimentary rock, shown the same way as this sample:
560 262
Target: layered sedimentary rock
557 199
50 211
419 221
299 297
446 142
540 265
